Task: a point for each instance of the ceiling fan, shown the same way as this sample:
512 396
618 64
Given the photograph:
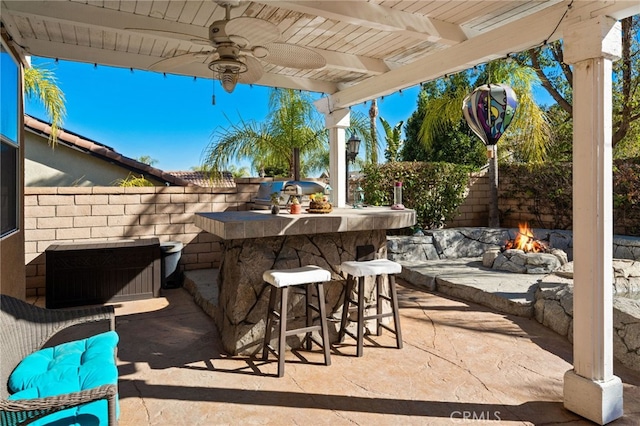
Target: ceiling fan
238 47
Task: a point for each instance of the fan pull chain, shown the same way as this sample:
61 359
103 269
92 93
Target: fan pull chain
213 95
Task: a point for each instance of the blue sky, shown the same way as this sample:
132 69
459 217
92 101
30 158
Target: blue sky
169 118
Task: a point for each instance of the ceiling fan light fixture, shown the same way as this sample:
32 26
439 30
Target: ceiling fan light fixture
227 71
228 81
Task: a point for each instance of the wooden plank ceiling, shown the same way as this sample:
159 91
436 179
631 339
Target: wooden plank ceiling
371 48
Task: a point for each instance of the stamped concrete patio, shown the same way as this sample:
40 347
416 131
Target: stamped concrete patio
459 361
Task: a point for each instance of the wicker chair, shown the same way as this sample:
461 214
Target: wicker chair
24 329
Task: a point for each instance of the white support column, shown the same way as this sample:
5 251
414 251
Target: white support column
336 122
590 389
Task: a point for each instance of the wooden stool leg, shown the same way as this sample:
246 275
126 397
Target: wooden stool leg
282 339
396 311
345 306
326 346
378 283
360 316
309 314
269 323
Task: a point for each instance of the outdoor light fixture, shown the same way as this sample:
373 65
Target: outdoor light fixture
353 146
227 68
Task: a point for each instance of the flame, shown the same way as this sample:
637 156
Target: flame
525 241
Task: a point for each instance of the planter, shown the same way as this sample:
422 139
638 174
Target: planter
295 208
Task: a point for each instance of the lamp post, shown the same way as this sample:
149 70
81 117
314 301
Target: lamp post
353 146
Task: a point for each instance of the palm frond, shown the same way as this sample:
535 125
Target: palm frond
42 83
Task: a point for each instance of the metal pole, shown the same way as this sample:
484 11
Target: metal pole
346 194
494 213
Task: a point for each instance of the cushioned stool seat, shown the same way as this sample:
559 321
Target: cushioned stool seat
280 281
359 270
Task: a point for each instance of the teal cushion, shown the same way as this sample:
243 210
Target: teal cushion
69 367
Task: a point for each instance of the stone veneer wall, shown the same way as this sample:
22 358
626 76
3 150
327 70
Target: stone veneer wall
553 305
78 214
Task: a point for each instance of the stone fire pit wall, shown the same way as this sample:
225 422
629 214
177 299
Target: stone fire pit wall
553 300
473 242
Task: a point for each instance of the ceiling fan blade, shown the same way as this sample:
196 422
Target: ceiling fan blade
172 34
176 61
292 56
254 71
255 30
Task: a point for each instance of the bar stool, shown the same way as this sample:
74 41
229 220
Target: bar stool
360 270
280 280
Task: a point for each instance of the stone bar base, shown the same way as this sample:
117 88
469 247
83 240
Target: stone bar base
243 296
600 402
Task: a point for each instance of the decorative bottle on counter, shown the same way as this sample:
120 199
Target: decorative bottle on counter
397 197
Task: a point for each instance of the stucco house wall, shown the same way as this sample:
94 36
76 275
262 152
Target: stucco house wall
47 166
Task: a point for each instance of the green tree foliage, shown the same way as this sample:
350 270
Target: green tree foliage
132 180
556 77
527 137
147 159
393 137
269 145
452 142
434 190
293 123
412 149
238 172
561 142
41 83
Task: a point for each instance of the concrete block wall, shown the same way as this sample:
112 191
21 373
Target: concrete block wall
474 211
78 214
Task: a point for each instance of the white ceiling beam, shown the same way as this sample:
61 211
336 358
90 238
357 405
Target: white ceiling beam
85 15
112 20
483 48
355 63
381 18
93 55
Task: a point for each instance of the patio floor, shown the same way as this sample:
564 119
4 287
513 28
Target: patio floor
459 361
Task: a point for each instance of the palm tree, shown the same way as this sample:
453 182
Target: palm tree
373 146
291 131
528 135
41 82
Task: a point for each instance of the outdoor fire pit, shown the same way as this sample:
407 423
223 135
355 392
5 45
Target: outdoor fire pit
524 254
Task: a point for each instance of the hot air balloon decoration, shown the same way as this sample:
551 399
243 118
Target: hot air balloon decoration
489 110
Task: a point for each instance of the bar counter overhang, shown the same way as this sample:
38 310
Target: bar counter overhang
255 241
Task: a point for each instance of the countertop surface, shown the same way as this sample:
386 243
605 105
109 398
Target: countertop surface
261 223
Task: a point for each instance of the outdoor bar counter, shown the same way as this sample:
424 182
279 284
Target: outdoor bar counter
255 241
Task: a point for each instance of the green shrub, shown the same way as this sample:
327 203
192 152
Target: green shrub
544 190
433 190
132 180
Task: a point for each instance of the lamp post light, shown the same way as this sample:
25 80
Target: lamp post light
353 146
